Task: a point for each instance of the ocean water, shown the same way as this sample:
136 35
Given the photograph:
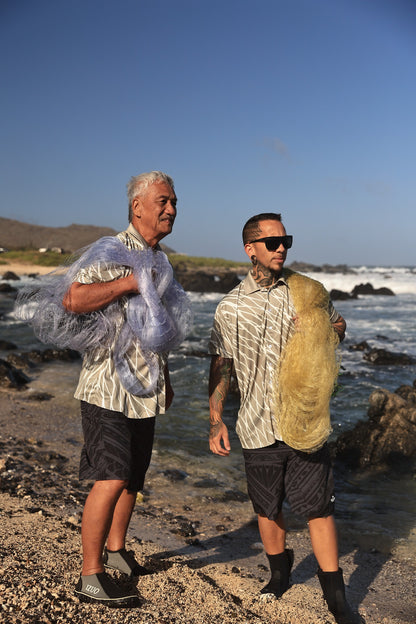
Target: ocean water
376 508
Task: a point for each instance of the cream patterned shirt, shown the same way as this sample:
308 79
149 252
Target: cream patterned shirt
252 326
99 383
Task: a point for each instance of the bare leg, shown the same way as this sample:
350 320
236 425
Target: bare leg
273 534
121 520
96 522
325 543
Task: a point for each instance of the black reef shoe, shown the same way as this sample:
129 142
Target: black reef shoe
101 588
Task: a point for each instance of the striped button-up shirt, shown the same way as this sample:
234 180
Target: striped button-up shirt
252 326
99 382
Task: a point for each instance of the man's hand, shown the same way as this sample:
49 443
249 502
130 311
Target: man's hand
219 383
219 442
339 327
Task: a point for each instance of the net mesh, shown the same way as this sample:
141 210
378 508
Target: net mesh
308 369
156 320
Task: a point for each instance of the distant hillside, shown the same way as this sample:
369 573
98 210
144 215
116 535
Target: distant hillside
18 235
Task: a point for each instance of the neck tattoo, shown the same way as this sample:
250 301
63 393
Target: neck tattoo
262 275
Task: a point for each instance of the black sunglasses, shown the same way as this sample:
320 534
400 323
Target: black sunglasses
273 242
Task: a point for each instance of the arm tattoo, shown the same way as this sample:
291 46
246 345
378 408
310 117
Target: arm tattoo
219 383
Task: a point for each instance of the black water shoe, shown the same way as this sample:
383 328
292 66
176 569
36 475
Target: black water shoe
280 567
101 588
333 588
123 560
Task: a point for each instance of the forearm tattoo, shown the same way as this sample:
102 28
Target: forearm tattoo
219 383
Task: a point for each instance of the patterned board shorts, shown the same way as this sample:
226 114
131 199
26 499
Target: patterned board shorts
277 472
115 447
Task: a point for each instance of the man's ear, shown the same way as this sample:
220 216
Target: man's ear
248 248
136 206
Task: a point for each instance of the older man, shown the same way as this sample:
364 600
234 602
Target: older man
118 425
254 325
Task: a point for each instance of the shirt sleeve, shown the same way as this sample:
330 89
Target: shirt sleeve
100 273
333 314
221 339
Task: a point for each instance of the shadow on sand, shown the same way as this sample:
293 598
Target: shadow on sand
369 552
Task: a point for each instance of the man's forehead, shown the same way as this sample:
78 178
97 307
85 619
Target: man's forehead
270 224
160 189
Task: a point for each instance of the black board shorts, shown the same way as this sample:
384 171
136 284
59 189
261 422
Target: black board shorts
115 447
278 472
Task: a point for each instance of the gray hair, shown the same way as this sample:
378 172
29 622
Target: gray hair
138 184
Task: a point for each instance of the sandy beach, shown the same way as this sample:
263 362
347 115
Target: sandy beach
205 556
20 268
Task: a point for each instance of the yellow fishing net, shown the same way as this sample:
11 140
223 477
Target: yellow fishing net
308 368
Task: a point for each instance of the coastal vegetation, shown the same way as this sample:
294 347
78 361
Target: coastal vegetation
33 256
178 261
181 261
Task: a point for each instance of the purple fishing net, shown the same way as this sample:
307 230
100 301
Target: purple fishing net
157 319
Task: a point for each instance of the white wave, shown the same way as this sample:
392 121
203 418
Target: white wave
400 280
197 297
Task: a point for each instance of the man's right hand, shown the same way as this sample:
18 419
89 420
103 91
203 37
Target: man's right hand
219 442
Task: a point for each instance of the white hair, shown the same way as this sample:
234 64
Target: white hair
138 184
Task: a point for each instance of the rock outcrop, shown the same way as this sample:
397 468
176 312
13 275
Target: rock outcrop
360 289
13 370
11 276
387 437
382 357
203 281
368 289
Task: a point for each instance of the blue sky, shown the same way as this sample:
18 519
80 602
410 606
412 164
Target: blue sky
304 107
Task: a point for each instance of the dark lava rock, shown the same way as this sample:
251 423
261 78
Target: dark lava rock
201 281
382 357
39 396
67 355
9 275
5 345
408 393
183 526
233 495
340 295
387 437
173 474
20 360
30 359
305 267
11 377
6 288
368 289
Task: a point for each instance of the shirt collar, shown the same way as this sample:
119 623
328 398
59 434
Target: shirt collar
251 286
135 234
